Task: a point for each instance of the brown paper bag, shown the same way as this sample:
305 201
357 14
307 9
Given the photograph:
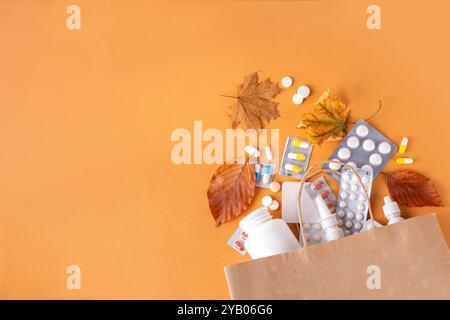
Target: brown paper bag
412 257
406 260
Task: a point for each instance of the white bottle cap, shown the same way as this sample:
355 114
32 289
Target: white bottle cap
390 207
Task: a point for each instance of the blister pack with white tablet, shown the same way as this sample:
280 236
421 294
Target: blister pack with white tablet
352 203
363 147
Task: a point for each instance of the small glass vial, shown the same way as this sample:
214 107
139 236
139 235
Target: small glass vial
267 236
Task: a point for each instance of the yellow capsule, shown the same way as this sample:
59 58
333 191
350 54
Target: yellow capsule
296 156
292 168
403 145
300 144
405 160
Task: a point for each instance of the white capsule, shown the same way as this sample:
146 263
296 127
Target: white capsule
349 224
275 186
362 130
368 145
266 201
353 142
403 145
252 151
286 82
384 148
375 159
266 178
304 91
297 98
274 205
268 152
344 153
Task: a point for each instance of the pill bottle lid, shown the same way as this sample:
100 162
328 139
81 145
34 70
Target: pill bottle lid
254 218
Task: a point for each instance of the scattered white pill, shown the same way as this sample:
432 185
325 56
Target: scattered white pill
344 195
316 237
341 213
274 205
251 150
362 130
349 224
350 215
317 226
297 98
268 152
304 91
359 216
286 82
266 201
375 159
358 226
368 145
342 204
384 148
340 222
306 226
344 153
275 186
334 166
353 142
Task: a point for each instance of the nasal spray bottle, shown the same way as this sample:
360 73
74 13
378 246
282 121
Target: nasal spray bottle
328 221
391 210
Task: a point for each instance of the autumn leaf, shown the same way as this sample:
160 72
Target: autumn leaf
253 107
413 189
327 120
230 191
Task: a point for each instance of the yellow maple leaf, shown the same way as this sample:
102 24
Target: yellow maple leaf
327 120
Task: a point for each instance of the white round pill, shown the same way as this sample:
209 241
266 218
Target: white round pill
354 187
275 186
367 167
342 204
344 153
353 196
361 207
304 91
384 148
341 213
347 232
368 145
362 130
353 142
286 82
317 237
350 215
317 226
345 185
297 98
340 222
274 205
359 216
357 225
375 159
362 197
306 226
266 201
344 195
334 166
349 224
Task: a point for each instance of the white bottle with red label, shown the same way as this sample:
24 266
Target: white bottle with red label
267 236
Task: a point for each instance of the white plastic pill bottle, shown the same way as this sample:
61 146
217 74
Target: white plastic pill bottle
267 236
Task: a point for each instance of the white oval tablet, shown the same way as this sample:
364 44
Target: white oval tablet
375 159
344 153
286 82
266 201
384 148
251 150
353 142
362 130
297 98
304 91
368 145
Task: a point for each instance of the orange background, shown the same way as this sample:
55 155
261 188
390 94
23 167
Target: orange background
86 176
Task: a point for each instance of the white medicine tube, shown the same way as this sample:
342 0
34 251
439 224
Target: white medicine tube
328 221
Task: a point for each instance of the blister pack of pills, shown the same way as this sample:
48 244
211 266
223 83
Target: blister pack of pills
352 203
363 147
295 158
264 174
314 233
237 241
320 187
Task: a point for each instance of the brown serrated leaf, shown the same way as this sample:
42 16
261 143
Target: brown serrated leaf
327 120
230 191
253 107
413 189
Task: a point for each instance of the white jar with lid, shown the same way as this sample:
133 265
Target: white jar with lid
267 236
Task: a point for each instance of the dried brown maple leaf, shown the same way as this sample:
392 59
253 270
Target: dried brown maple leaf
253 106
413 189
230 191
327 120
